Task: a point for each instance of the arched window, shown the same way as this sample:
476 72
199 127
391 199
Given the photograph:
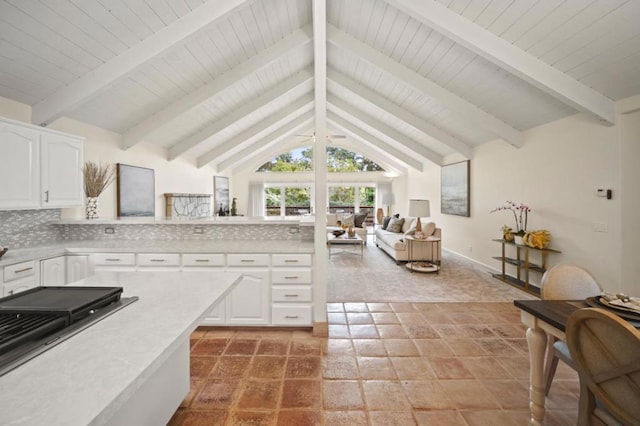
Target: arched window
338 160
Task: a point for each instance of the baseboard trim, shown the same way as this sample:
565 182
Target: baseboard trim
487 268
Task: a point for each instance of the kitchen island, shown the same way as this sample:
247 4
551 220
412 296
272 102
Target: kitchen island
130 368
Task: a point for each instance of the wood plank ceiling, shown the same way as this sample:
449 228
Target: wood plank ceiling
231 82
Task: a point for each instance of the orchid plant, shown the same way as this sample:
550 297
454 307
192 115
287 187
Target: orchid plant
520 214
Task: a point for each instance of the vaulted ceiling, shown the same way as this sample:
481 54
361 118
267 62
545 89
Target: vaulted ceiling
231 82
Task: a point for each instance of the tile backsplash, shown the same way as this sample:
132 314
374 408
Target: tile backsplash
28 228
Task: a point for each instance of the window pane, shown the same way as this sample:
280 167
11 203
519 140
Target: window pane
341 199
298 201
272 201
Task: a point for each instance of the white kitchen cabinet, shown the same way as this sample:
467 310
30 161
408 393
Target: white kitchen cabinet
249 302
291 292
77 267
19 277
217 314
19 167
53 271
158 262
61 171
115 262
39 168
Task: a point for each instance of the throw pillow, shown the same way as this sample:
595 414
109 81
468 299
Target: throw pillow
411 231
428 229
395 225
358 219
385 222
348 220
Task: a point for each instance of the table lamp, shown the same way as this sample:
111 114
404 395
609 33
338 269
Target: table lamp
418 209
388 199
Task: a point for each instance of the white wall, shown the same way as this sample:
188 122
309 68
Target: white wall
630 197
556 172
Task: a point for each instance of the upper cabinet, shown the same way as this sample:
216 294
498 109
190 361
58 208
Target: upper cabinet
61 168
39 168
19 167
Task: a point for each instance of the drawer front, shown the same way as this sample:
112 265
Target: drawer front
291 260
158 259
298 293
291 314
203 259
107 259
19 270
248 260
291 276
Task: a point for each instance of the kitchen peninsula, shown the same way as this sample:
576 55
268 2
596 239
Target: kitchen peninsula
130 368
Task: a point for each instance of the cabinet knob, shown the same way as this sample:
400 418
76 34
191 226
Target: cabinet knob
291 316
290 295
292 277
291 260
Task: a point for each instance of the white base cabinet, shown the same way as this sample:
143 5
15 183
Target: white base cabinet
53 271
249 301
20 277
77 268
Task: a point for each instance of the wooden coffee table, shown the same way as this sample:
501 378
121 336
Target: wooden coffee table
344 240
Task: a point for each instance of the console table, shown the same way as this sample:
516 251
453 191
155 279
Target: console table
523 265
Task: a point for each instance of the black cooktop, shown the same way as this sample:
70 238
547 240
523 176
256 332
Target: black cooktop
37 319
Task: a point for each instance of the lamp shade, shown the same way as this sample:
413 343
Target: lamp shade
419 208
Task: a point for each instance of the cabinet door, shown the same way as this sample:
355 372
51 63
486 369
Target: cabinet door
19 167
77 268
17 286
53 271
250 300
61 162
217 314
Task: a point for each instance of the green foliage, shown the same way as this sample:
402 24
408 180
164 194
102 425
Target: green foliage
338 160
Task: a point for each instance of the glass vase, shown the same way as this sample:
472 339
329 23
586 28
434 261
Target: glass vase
91 208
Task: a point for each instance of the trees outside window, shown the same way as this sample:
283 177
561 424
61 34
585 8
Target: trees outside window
338 160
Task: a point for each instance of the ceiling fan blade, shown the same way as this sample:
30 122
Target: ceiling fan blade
337 136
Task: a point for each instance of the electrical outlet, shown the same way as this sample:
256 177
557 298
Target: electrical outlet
198 230
109 230
600 227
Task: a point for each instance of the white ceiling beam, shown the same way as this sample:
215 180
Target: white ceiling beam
257 131
400 113
464 108
246 155
509 57
274 94
296 40
368 123
368 139
94 82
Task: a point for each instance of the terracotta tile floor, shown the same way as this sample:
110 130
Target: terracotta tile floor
383 364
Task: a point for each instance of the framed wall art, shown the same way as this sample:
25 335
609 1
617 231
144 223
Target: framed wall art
221 195
136 191
454 189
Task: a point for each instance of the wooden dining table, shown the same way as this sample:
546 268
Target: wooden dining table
544 318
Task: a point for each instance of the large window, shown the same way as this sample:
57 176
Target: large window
338 160
352 198
286 200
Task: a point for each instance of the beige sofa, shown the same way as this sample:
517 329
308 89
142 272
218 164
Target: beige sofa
394 245
332 225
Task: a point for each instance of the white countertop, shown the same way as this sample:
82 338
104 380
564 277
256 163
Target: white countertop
87 378
59 248
209 220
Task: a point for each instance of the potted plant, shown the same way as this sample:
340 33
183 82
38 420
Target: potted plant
521 215
97 177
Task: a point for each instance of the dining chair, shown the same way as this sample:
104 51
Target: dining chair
606 352
564 281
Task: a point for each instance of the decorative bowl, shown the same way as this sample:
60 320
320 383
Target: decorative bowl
3 251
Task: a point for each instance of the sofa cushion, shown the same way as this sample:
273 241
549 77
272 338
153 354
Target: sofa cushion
358 219
428 228
409 222
395 225
410 231
332 219
385 222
